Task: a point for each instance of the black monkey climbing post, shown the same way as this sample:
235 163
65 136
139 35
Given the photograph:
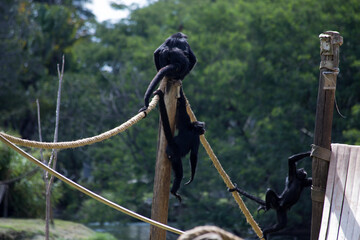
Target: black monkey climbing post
160 204
330 42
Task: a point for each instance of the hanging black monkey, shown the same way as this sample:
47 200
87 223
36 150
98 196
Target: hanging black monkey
186 141
296 181
173 59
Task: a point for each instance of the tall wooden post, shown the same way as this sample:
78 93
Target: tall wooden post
160 203
330 42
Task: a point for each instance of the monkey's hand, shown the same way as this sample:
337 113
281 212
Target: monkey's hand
159 93
261 207
233 189
143 109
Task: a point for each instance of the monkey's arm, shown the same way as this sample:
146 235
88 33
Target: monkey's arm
156 58
160 75
292 163
299 156
165 118
193 158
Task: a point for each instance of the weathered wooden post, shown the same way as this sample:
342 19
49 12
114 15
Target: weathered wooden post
330 42
160 203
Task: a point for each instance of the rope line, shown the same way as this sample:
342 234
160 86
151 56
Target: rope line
88 192
226 178
84 141
208 232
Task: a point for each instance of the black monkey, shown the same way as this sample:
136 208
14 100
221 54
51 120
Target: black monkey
186 141
294 184
174 59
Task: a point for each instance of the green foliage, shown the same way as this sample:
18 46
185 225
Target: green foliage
93 210
25 191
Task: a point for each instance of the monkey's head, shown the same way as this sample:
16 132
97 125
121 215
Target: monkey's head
301 173
198 127
178 58
179 35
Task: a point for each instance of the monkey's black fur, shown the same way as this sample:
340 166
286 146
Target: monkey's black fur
186 141
295 183
173 59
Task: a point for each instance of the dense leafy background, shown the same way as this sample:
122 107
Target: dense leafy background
255 86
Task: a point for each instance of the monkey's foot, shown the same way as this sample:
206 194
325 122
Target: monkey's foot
177 196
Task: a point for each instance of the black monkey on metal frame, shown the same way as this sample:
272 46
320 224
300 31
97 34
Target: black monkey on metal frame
173 59
186 141
295 183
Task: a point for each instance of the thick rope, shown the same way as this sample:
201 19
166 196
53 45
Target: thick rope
88 192
208 232
226 179
84 141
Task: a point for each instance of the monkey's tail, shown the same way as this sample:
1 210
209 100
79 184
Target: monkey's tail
190 180
248 195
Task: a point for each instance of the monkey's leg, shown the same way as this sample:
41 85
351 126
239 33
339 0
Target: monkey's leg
178 175
281 223
272 200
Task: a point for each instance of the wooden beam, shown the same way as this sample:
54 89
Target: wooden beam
330 42
160 203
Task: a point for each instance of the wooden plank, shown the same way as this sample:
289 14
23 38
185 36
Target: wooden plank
330 217
338 194
329 193
322 138
160 203
348 217
355 225
341 215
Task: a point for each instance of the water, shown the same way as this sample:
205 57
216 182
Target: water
124 231
128 231
141 231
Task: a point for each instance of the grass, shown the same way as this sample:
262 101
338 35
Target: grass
34 229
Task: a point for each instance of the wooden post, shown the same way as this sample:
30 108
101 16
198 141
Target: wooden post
330 42
160 203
